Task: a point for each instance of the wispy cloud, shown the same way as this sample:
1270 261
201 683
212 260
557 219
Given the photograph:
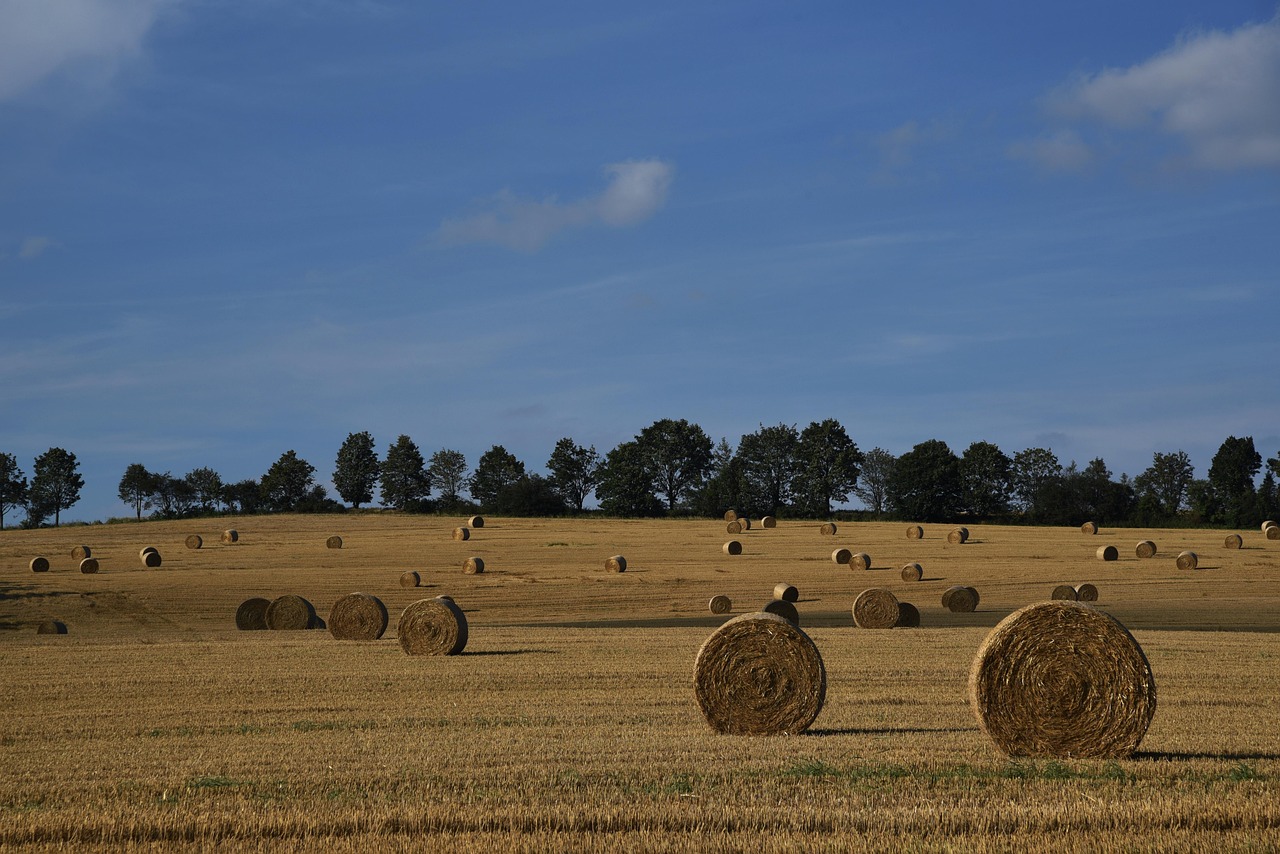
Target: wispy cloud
1060 151
34 247
637 189
899 147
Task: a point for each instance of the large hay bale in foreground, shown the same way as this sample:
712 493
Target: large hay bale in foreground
958 536
39 564
912 572
1064 680
841 556
1089 528
230 536
89 565
462 534
150 558
290 613
782 608
959 599
733 547
410 579
334 542
915 532
720 604
475 522
252 614
617 563
1146 548
786 592
734 527
433 627
194 541
81 552
759 674
1064 592
1233 541
1108 553
473 566
768 522
908 616
876 608
52 627
1086 593
828 528
1188 560
358 616
861 560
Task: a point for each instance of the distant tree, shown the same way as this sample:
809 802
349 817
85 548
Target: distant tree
404 475
925 484
1231 482
769 466
496 470
531 495
1105 500
723 488
626 486
288 482
243 496
677 457
55 483
173 497
574 471
872 486
827 467
1034 469
355 472
448 472
1165 482
986 475
1268 497
13 486
138 488
206 488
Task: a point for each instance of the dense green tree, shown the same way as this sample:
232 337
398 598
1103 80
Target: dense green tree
496 469
872 486
723 488
138 488
986 475
574 471
1034 469
677 457
55 483
1231 482
531 495
405 481
926 484
1165 482
173 497
626 486
827 467
243 496
448 473
206 488
356 469
289 482
13 486
769 466
1268 497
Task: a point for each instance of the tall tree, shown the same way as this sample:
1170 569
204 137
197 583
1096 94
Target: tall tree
626 486
769 466
574 471
1166 482
448 472
206 488
926 483
530 495
872 486
288 482
1231 476
1034 469
985 472
723 489
55 483
677 456
137 488
404 475
13 486
828 464
243 496
355 472
496 470
173 497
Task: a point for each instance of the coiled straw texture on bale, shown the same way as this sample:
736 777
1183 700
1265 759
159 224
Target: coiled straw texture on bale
759 674
410 578
194 541
730 515
841 556
785 592
1233 541
1064 680
876 608
1086 593
1064 592
828 528
52 627
433 627
473 566
1188 560
89 565
733 547
914 532
1146 548
1089 528
334 542
782 608
908 616
959 599
358 616
461 534
252 614
81 552
958 536
1108 553
720 604
734 527
617 563
290 613
39 564
861 560
912 572
230 536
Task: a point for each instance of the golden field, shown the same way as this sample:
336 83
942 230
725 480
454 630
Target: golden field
569 721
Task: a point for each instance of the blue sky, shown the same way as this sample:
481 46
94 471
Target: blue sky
230 229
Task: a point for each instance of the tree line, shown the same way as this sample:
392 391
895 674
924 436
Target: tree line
672 467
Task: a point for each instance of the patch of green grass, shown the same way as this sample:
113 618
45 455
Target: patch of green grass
811 768
1243 771
320 726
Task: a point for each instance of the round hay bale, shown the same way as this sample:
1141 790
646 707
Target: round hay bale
1234 541
730 515
433 627
1270 523
145 549
784 609
290 613
768 522
908 616
230 536
958 536
462 534
317 622
617 563
1272 533
1188 560
1064 680
473 566
89 565
39 564
252 614
1108 553
785 592
876 608
52 627
194 541
475 522
444 596
1146 548
720 604
1089 528
959 599
734 527
745 522
1065 592
358 616
81 552
733 547
841 556
1086 593
915 532
410 579
861 560
334 542
828 528
759 674
151 558
912 572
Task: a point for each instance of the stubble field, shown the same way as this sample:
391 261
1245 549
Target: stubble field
569 722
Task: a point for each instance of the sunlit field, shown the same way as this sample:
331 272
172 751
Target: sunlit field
569 722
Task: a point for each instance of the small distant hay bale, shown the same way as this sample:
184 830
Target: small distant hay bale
784 609
230 536
828 528
876 608
1086 593
1089 528
745 522
252 614
958 536
334 542
1145 549
841 556
1061 679
786 592
768 522
1188 560
912 572
1272 533
915 532
734 527
145 549
89 565
1064 592
617 563
1234 541
473 566
290 613
1270 523
861 560
194 541
730 515
733 547
81 552
475 522
432 627
1108 553
462 534
318 622
908 616
720 604
39 564
410 579
959 599
358 616
52 627
150 558
759 674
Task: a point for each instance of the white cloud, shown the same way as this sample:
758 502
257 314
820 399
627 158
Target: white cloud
1062 151
637 189
1215 93
41 38
33 247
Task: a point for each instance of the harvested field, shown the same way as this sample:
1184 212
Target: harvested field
515 743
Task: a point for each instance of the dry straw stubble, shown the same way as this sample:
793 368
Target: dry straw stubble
358 616
759 674
912 572
290 613
1061 679
876 608
432 627
1145 549
252 614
